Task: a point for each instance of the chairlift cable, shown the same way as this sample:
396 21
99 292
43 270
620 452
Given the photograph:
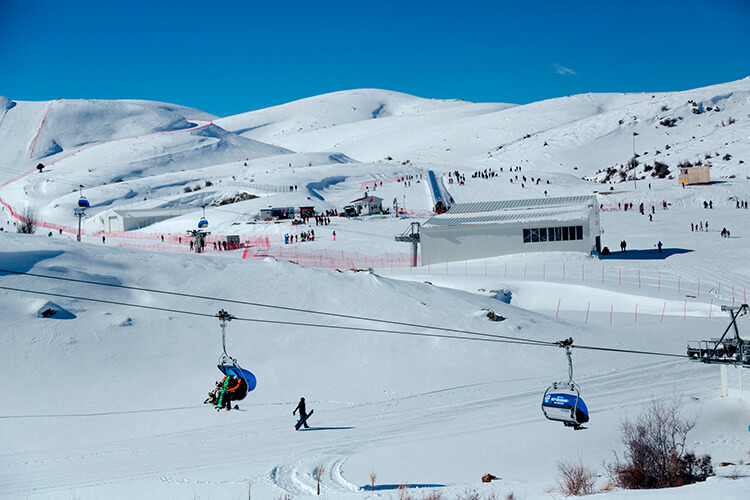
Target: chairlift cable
477 336
269 321
284 308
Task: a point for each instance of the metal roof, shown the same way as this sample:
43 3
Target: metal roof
494 206
505 217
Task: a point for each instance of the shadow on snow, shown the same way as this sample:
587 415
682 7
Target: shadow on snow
651 254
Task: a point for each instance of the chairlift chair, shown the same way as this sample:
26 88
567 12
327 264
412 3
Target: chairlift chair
83 202
562 403
203 223
229 365
562 400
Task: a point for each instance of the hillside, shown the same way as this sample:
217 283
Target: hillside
408 376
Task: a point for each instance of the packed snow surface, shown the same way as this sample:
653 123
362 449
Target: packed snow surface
104 368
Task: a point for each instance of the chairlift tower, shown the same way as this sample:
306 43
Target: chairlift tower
411 235
724 351
199 234
80 210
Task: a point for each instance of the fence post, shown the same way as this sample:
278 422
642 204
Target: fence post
710 307
524 270
558 308
684 311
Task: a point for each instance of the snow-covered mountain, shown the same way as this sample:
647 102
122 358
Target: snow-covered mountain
103 398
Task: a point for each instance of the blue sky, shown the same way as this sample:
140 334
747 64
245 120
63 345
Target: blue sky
229 57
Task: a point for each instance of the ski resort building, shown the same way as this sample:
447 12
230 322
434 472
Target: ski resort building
126 219
276 213
368 205
492 228
700 174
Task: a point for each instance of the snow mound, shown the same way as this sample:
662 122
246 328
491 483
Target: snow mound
51 310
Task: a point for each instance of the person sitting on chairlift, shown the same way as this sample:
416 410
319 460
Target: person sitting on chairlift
236 389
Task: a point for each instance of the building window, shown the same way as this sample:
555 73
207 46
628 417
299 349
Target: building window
544 234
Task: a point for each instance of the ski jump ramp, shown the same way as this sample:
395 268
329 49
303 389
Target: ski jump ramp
441 198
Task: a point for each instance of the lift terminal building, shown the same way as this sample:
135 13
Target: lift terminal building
491 228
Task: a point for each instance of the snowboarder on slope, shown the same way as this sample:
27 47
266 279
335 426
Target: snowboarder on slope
302 412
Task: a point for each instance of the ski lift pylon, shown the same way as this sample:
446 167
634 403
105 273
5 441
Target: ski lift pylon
562 401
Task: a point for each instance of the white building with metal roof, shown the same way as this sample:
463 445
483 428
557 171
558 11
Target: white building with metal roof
491 228
117 220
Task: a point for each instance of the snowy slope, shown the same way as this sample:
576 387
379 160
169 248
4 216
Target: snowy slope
115 410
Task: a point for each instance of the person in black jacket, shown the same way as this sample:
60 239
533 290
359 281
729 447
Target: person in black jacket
302 412
235 390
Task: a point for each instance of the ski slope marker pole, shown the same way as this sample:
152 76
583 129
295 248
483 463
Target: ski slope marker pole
587 313
662 312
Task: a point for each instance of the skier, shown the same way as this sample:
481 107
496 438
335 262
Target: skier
334 236
659 245
103 239
302 412
235 389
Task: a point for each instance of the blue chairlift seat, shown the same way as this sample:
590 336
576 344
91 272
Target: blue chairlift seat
238 372
203 223
562 403
83 202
